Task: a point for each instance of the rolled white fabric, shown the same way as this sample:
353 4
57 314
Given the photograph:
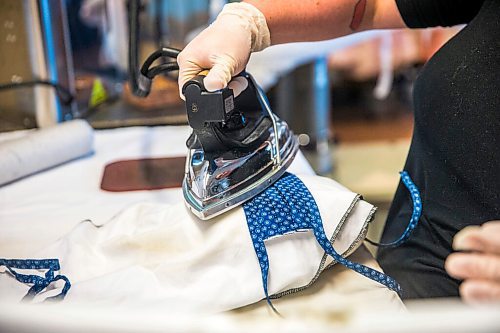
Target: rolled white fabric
43 149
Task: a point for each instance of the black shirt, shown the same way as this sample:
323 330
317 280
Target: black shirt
454 156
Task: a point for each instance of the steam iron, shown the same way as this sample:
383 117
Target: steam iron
237 149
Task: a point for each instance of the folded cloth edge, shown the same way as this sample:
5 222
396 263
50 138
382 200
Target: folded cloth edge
357 242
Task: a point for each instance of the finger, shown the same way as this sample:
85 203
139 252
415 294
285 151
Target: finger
187 70
218 77
187 75
462 240
480 291
483 239
473 266
238 85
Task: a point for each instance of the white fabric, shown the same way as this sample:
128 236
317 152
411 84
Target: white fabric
161 254
43 149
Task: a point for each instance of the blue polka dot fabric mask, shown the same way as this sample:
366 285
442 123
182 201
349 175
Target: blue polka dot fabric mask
287 207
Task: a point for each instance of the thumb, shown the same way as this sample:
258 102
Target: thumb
238 85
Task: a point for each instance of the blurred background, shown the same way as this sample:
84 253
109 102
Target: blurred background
349 100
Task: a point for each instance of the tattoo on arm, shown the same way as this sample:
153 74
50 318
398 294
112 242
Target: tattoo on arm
357 15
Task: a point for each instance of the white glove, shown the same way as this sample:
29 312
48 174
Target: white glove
479 268
224 47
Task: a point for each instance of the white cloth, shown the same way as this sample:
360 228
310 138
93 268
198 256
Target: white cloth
163 255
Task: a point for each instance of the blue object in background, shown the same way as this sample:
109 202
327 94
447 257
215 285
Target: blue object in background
48 36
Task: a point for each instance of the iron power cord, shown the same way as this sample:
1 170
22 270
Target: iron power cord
163 68
141 80
63 93
133 51
147 73
163 52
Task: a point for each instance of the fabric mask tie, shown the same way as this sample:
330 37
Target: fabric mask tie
39 283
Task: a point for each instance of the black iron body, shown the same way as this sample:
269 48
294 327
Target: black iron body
222 123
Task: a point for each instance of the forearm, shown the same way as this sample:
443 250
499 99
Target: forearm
311 20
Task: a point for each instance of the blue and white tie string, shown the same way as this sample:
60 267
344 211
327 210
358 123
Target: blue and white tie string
39 283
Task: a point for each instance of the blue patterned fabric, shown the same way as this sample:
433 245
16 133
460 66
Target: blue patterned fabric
39 283
415 216
288 206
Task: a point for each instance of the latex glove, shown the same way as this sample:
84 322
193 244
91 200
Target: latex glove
479 268
224 47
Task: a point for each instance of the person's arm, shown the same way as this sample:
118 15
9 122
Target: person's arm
241 28
313 20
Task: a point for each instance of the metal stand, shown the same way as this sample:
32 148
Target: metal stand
303 101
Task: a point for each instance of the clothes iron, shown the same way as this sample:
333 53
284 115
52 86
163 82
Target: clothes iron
237 149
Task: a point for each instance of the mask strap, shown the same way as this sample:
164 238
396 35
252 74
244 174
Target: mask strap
415 216
286 207
38 282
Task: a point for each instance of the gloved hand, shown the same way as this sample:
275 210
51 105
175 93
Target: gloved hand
479 268
224 47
